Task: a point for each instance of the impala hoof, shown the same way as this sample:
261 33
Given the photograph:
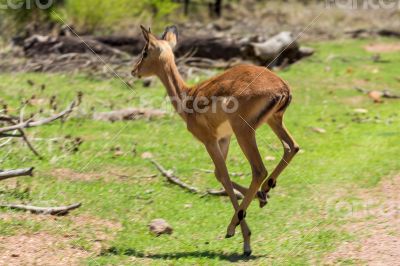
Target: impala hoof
263 198
230 232
263 203
229 235
247 253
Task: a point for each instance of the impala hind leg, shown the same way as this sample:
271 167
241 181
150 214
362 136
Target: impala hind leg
290 149
221 173
247 142
224 146
246 233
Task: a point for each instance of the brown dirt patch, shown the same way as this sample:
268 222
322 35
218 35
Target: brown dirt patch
69 174
109 175
39 249
355 100
382 47
57 245
376 226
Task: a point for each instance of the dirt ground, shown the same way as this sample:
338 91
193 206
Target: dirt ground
56 246
377 227
39 249
383 48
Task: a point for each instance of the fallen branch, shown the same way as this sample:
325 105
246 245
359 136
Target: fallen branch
358 33
222 192
30 146
14 173
128 114
212 172
173 179
376 95
63 210
29 123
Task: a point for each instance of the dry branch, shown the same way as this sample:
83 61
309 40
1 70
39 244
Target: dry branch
14 173
212 172
30 123
128 114
30 146
173 179
383 94
63 210
222 192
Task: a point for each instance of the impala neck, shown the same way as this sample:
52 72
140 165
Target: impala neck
175 85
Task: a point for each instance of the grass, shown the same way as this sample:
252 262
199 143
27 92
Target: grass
300 225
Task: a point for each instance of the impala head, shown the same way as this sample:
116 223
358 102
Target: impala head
156 52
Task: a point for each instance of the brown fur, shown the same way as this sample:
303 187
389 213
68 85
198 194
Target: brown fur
242 81
262 97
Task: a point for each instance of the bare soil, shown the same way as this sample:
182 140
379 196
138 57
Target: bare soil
39 249
383 47
69 174
109 175
376 226
56 246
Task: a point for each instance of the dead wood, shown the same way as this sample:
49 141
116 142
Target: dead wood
128 44
209 47
222 192
15 173
269 49
175 180
42 45
129 114
222 48
383 93
63 210
279 50
365 33
172 178
30 123
20 134
27 142
212 172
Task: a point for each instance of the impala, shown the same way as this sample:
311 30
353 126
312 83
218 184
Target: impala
243 98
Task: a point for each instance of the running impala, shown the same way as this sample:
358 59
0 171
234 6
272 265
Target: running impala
242 98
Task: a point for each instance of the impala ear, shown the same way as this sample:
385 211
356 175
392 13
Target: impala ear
145 33
171 35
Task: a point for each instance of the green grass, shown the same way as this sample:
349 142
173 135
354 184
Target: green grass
301 223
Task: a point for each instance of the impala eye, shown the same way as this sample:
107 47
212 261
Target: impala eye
145 54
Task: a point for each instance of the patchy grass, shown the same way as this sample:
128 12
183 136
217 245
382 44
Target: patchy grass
300 225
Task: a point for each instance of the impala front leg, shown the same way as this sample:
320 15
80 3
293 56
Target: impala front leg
246 233
221 173
247 142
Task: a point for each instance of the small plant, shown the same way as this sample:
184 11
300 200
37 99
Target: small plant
16 14
87 16
97 15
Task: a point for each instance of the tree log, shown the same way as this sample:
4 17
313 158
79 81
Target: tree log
43 45
281 47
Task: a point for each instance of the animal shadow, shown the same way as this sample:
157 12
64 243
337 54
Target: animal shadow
233 257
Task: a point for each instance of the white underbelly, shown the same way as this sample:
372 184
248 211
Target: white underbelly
224 130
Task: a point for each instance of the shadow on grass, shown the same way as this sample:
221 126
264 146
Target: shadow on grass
234 257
